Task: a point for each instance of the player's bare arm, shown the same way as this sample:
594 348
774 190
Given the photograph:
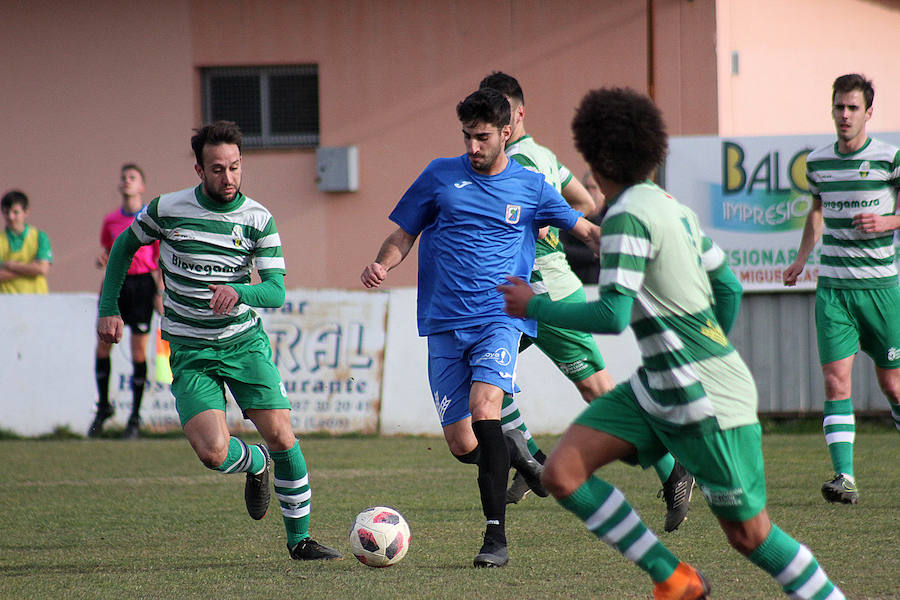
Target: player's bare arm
812 231
579 197
588 233
393 250
29 269
102 259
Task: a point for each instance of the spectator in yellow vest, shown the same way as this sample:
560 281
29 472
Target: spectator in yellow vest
25 253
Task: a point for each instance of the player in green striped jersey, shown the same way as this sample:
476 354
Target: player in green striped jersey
575 353
693 395
854 185
211 236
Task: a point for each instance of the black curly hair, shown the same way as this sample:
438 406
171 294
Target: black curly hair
620 133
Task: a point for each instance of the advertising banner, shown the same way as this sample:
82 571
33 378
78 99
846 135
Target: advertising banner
328 346
752 198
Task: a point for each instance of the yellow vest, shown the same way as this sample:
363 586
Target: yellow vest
25 254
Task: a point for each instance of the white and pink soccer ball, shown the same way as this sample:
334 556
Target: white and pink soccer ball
379 537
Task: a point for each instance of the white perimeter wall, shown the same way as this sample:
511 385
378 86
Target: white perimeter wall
47 369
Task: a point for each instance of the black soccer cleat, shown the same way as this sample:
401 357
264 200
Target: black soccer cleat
103 413
677 491
841 490
256 490
517 490
524 462
308 549
493 554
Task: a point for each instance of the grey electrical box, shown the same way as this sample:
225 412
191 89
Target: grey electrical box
337 168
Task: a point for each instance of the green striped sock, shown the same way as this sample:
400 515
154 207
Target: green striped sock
511 418
242 458
840 433
895 412
794 568
609 516
664 467
292 491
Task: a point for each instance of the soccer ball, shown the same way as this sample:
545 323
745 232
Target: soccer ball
379 537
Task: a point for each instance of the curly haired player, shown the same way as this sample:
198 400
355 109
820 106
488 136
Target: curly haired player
693 396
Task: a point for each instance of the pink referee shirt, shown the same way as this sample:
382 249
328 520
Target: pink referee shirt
146 259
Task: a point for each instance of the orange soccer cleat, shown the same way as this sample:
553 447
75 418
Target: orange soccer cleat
685 583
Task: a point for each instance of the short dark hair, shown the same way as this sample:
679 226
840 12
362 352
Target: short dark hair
214 134
12 198
484 106
851 82
620 133
505 84
133 167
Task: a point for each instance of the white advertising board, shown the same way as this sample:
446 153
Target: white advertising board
328 346
350 361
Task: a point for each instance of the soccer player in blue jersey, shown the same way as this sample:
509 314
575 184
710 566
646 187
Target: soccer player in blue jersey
478 216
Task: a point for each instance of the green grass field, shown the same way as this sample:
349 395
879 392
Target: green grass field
112 519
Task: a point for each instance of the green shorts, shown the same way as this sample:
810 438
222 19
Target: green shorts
199 376
574 353
847 320
728 465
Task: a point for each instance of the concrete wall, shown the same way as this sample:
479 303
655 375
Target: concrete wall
46 369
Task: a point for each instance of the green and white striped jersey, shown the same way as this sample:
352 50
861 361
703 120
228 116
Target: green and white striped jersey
865 181
552 273
691 378
203 243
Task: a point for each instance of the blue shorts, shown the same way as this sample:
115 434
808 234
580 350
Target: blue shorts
485 353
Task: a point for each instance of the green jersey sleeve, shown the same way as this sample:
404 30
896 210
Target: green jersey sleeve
44 252
120 256
269 293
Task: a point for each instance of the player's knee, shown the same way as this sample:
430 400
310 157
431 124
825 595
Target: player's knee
595 386
557 480
468 458
891 390
212 457
837 386
743 538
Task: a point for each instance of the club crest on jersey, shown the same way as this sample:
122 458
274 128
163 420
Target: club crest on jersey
513 212
237 236
864 169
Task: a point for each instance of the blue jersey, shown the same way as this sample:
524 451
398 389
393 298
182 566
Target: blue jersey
475 229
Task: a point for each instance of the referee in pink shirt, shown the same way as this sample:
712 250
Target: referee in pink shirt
141 293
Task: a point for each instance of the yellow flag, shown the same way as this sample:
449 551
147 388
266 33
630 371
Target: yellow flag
163 370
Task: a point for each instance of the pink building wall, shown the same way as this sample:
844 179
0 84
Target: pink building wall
789 54
85 89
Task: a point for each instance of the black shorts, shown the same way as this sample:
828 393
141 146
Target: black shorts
136 302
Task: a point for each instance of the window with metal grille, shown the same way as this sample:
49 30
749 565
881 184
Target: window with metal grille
273 106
